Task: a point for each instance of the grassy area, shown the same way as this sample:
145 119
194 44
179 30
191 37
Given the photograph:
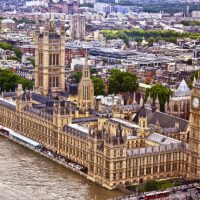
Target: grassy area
169 183
166 185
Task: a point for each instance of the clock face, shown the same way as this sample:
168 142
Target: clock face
195 102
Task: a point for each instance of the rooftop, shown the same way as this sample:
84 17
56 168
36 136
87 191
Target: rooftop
124 122
161 139
79 128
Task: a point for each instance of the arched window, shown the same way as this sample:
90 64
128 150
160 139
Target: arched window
175 108
53 81
50 59
56 81
54 57
49 81
57 59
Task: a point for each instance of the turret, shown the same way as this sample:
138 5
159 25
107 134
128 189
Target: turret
86 91
62 30
141 101
153 106
142 120
37 28
157 105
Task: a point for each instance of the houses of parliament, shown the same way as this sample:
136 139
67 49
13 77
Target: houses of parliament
119 144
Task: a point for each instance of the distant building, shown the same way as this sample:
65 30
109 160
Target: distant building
195 13
179 104
8 24
77 27
63 7
87 1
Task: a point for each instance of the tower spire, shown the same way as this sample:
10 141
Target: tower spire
86 90
86 69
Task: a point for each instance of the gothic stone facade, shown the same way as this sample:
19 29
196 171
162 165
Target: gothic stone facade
49 59
114 150
118 145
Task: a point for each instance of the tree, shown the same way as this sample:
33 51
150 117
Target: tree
32 61
93 71
99 86
158 39
189 61
77 75
26 84
9 81
6 46
122 82
17 52
14 58
169 36
195 74
151 185
161 92
104 60
138 40
150 41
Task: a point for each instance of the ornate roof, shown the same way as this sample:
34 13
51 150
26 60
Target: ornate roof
164 120
8 21
182 90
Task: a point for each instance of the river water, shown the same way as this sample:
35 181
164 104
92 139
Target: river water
25 175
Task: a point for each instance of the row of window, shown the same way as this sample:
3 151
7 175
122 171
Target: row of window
54 59
53 81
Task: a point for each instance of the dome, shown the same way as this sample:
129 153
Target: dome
8 21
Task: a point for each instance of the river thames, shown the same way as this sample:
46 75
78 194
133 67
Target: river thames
25 175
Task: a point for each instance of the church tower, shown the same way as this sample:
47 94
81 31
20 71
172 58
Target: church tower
49 58
86 91
194 137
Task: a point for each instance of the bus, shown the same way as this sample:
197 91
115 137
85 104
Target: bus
155 195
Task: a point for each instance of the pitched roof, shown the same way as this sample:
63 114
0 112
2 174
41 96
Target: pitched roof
182 90
161 139
165 120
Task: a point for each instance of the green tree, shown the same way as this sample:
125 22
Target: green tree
150 41
122 82
77 75
14 58
99 86
138 39
17 52
93 71
158 39
195 74
189 61
151 185
6 46
170 36
9 81
190 23
147 82
161 92
26 84
104 60
32 61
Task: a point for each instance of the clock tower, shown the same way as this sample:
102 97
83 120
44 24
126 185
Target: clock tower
194 136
